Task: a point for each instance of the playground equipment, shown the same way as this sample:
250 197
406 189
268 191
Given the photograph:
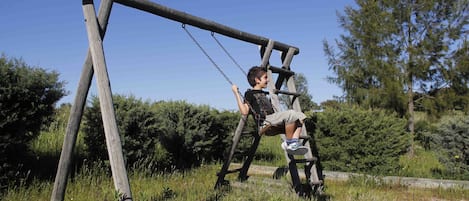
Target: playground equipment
95 64
313 172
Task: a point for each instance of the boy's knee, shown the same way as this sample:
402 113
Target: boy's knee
299 123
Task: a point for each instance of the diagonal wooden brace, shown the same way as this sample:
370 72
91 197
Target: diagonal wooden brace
113 142
76 111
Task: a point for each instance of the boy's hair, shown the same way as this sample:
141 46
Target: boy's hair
255 72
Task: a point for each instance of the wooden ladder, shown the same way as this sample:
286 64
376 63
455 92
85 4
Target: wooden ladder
314 177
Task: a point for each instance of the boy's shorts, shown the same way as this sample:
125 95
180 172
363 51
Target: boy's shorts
278 120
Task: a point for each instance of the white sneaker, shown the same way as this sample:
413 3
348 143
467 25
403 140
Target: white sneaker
294 148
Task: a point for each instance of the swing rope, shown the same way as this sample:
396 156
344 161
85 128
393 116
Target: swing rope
206 54
227 53
257 116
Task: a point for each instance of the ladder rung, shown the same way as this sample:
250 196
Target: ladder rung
245 133
318 182
306 160
230 171
242 153
233 170
276 91
238 153
279 82
281 70
305 137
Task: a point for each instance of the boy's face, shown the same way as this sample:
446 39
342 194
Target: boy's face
262 81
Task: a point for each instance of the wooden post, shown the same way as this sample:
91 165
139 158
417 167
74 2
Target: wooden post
76 113
310 167
116 158
270 85
290 159
243 173
229 158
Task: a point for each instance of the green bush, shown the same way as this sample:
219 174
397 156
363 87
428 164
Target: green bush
161 135
136 124
223 126
193 134
27 99
423 133
451 136
358 140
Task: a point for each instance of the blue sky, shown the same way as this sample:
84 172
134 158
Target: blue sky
152 57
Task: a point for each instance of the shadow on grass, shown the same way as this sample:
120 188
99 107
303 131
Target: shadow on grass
25 166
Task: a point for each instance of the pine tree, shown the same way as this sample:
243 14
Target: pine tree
397 47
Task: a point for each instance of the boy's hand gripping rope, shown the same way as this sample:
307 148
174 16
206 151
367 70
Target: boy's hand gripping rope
257 116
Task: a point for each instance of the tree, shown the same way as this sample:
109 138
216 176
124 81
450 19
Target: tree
397 47
27 100
305 98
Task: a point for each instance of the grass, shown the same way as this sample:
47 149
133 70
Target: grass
94 182
269 152
50 143
427 161
364 189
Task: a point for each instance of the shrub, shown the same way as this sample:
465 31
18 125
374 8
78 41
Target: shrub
136 124
451 136
224 124
359 140
27 99
192 134
161 135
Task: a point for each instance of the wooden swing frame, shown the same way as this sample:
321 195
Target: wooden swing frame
95 64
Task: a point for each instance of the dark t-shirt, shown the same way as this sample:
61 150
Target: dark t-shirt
258 101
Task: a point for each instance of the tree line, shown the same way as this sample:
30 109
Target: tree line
403 55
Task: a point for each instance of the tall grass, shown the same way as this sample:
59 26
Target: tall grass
424 164
369 189
94 183
270 152
50 143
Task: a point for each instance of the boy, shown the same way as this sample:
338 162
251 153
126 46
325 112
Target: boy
289 122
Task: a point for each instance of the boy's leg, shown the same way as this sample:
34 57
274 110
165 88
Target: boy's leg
293 130
299 126
290 130
292 145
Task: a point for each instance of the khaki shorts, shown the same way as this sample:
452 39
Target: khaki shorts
278 120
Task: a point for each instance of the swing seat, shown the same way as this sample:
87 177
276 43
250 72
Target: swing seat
264 129
270 130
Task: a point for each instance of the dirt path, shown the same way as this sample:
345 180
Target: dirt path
408 181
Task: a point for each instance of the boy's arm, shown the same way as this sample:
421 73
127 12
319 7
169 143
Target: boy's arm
243 107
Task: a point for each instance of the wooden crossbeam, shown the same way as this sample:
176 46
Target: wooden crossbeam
202 23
